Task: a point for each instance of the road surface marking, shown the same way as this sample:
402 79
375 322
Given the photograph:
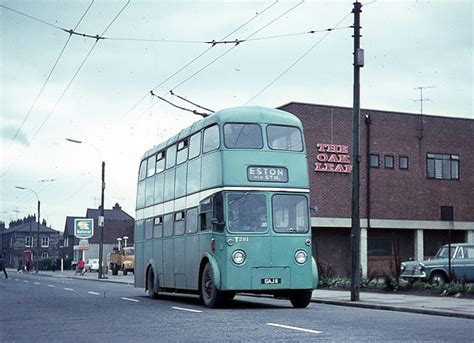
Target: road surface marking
25 281
37 283
68 289
293 328
94 293
186 309
50 285
128 299
17 280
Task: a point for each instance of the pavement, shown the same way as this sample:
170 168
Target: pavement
432 305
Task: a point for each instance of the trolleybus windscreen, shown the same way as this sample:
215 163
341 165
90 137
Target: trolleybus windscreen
290 213
247 212
243 136
284 138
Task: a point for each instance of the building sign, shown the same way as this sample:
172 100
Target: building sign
83 228
267 174
333 158
83 244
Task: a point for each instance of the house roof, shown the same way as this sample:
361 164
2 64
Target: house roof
69 225
116 213
25 227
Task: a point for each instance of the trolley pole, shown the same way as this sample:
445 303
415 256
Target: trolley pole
355 214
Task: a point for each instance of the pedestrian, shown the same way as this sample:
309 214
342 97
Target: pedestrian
81 264
2 266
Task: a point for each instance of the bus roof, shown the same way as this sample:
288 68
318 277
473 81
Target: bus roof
235 114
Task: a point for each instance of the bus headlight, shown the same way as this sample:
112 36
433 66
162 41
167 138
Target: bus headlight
238 257
301 256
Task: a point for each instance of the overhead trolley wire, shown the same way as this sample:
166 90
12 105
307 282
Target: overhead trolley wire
33 18
299 59
48 77
196 58
232 48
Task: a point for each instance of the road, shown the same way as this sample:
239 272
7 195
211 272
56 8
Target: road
35 308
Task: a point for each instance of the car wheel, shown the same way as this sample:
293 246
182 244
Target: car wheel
438 278
300 299
210 295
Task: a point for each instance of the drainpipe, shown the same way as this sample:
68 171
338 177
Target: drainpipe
368 122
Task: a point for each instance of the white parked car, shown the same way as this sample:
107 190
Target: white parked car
92 265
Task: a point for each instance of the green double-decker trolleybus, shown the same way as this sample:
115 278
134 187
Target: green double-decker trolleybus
223 207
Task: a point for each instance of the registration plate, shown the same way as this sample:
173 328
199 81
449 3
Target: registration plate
270 281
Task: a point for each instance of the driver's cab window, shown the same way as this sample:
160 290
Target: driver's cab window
459 253
212 213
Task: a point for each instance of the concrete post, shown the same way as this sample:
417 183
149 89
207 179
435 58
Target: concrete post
470 236
363 252
419 246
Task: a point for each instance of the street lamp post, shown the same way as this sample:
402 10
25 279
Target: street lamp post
101 219
38 227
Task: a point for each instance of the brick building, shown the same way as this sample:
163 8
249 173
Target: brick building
19 236
416 185
118 224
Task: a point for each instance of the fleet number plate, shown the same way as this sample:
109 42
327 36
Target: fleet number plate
270 281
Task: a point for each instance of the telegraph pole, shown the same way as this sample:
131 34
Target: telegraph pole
101 222
355 215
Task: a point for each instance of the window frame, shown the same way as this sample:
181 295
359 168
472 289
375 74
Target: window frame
204 138
371 160
287 126
387 158
171 156
158 223
45 239
400 162
199 143
160 156
244 124
142 170
185 146
432 158
179 217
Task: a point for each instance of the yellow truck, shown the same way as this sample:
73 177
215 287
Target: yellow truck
122 259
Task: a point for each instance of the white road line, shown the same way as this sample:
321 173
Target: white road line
37 283
186 309
17 280
51 286
94 293
68 289
134 300
293 328
26 281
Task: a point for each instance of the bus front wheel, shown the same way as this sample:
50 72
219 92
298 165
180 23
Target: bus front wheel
300 299
210 295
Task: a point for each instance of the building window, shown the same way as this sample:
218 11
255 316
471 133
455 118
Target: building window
44 242
388 161
44 254
403 162
27 241
442 167
374 160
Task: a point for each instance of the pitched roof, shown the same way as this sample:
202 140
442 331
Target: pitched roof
116 213
25 227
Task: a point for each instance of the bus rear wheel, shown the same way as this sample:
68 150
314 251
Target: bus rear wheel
300 299
150 284
210 295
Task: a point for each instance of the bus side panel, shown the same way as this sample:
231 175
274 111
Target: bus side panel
192 261
168 263
211 175
158 258
139 262
180 262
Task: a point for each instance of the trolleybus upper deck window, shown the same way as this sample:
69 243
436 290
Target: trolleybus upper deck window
211 139
171 156
284 138
290 213
195 145
151 166
243 136
142 172
247 212
160 161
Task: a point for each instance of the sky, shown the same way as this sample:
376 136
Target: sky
57 85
